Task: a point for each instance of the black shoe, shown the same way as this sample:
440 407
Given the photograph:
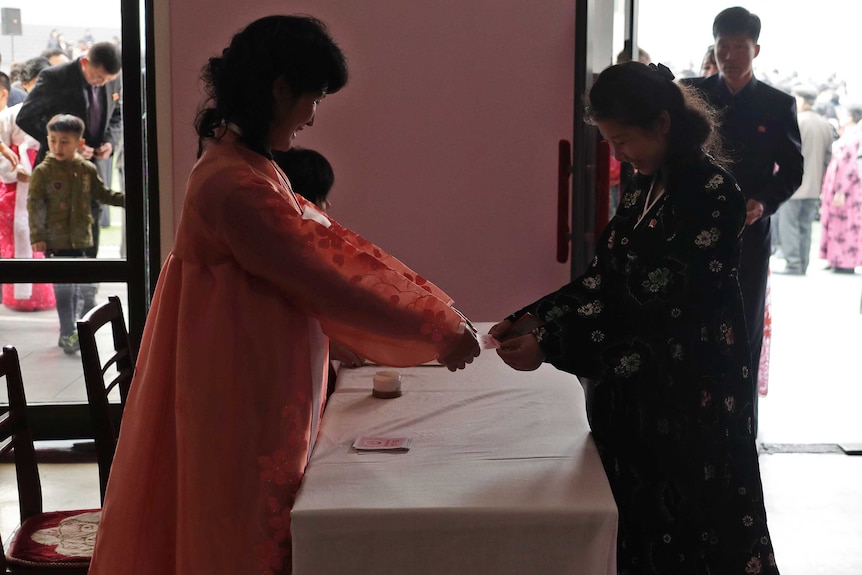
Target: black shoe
838 270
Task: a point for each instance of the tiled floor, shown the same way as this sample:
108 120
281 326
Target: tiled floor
814 500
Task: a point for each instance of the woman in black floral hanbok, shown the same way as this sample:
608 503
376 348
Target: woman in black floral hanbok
656 326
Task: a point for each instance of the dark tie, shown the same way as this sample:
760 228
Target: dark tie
95 117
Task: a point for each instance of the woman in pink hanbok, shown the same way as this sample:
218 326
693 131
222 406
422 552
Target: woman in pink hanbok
228 390
14 186
841 205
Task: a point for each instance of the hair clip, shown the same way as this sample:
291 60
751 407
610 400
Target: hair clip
663 70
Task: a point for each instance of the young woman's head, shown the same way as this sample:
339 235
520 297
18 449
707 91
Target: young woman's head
649 120
269 80
309 172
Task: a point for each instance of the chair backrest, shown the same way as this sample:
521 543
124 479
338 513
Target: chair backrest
100 383
15 436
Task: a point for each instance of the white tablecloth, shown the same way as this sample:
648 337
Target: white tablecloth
503 478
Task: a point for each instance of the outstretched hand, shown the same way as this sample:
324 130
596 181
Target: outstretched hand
520 352
465 350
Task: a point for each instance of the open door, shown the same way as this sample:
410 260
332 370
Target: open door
604 30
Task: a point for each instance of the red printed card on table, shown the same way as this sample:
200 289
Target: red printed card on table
382 443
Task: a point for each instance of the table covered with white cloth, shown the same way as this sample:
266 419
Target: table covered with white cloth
502 478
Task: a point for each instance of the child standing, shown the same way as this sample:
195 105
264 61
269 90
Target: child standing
61 189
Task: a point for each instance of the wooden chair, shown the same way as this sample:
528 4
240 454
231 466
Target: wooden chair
106 428
46 542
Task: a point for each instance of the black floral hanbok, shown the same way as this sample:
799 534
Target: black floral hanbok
655 330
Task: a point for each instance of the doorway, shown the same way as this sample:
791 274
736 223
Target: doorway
127 260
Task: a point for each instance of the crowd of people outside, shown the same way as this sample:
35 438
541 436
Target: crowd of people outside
831 192
51 201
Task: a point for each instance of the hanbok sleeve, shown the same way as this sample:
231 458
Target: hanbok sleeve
361 295
593 324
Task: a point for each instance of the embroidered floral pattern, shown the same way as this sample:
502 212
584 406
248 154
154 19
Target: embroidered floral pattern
707 238
726 333
593 308
657 280
628 364
593 282
271 557
433 324
556 312
670 305
754 567
275 468
715 182
729 403
280 475
631 198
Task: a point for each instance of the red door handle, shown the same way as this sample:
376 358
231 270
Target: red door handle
603 187
564 171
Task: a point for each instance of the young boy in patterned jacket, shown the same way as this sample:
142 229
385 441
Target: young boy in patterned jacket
61 189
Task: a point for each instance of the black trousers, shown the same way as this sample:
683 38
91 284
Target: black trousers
73 300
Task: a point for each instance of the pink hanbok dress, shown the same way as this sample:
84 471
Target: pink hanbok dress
841 221
14 218
228 389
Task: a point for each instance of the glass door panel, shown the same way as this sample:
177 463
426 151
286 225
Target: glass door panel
126 262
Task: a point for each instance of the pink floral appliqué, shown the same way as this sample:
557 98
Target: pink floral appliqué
433 324
275 468
279 521
307 245
271 557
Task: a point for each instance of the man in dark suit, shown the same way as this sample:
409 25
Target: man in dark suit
88 87
761 138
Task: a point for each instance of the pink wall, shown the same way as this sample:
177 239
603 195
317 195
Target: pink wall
443 142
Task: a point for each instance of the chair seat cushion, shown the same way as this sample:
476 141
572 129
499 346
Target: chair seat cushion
55 539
